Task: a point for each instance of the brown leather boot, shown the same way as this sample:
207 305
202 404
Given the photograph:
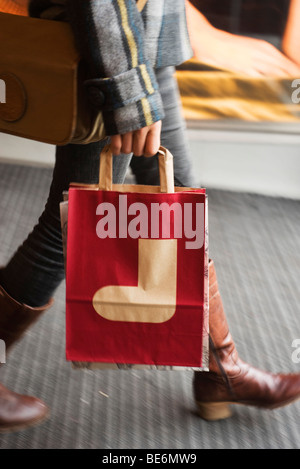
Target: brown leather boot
15 318
18 412
230 380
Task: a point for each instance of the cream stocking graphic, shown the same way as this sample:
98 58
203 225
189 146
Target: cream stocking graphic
153 300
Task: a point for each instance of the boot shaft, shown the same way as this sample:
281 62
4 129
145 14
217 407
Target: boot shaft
16 318
222 349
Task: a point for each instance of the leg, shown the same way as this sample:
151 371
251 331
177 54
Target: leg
229 380
37 268
31 277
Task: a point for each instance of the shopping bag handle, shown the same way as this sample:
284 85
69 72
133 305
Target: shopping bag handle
165 164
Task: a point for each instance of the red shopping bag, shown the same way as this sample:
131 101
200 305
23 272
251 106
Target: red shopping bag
137 272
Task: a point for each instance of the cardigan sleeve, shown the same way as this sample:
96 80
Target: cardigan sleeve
110 37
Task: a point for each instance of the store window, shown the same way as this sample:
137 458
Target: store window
246 64
263 18
16 7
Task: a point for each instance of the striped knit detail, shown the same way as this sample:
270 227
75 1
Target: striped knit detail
147 111
165 35
132 48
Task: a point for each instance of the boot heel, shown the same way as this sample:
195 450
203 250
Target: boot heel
213 410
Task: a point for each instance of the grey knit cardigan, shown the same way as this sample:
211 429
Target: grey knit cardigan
122 48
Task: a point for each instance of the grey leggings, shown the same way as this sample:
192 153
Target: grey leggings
37 268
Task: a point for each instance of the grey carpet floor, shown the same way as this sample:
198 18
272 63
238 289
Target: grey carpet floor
255 243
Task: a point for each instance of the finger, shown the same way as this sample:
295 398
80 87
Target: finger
127 143
290 67
152 143
278 71
273 63
138 142
116 144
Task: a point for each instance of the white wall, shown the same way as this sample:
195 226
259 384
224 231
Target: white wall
20 150
264 162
